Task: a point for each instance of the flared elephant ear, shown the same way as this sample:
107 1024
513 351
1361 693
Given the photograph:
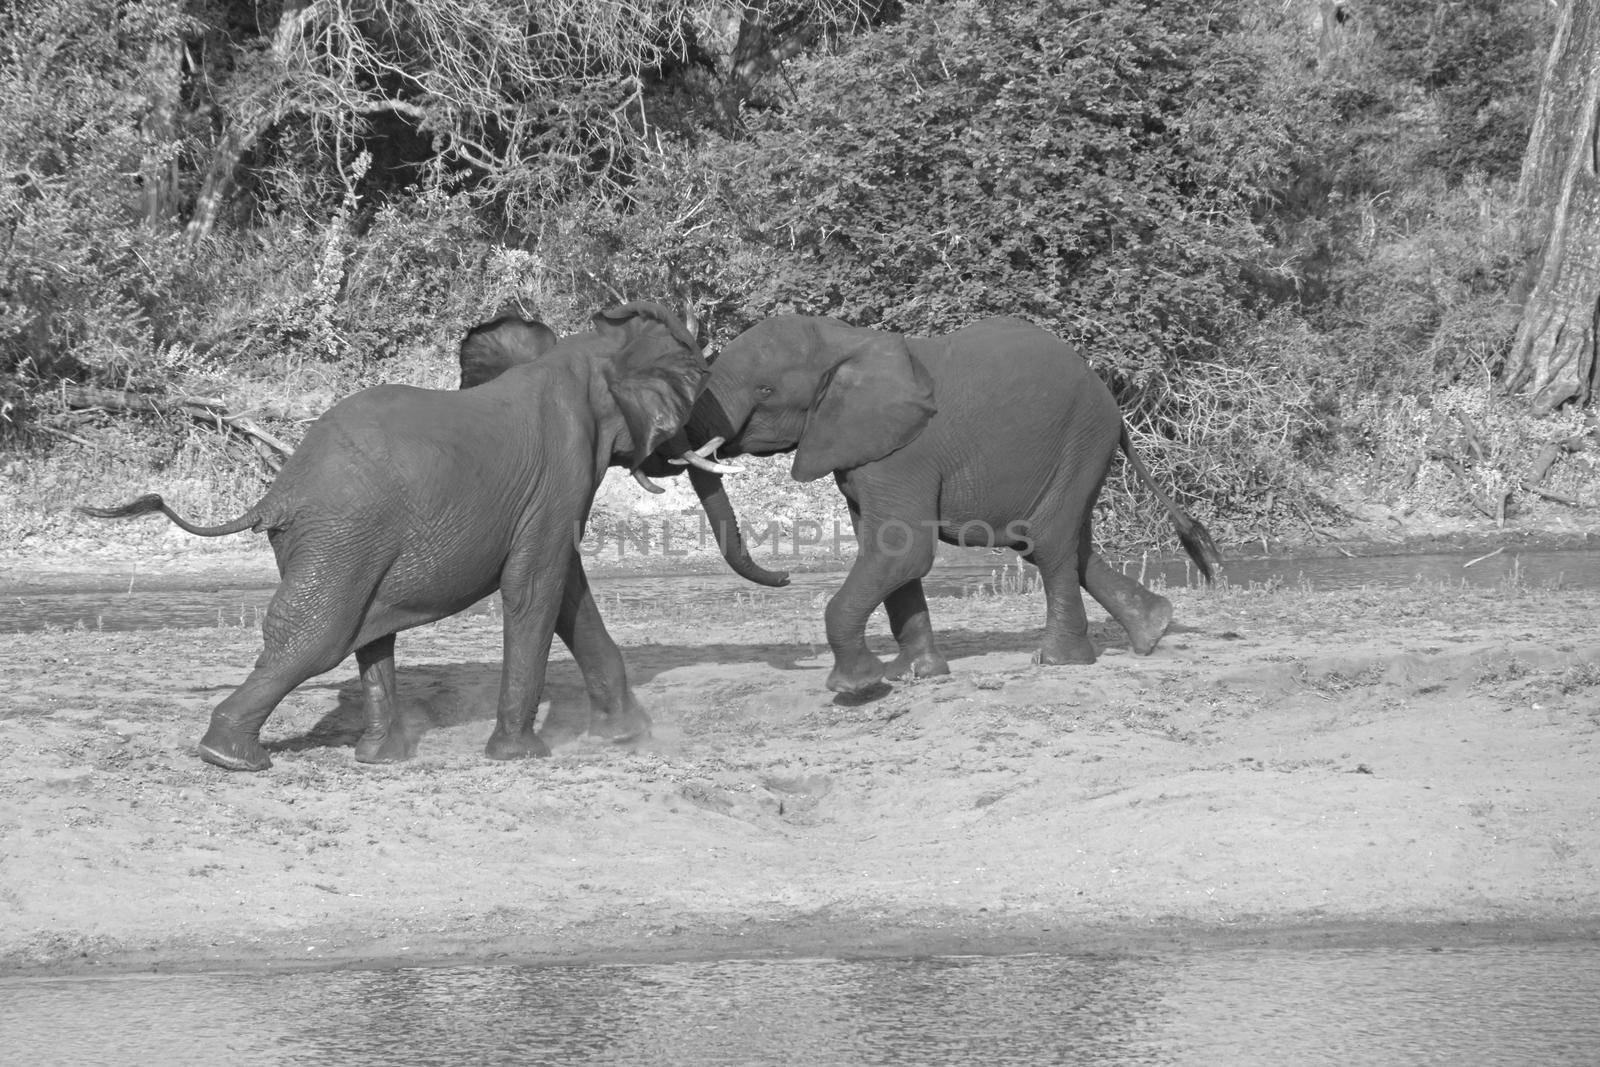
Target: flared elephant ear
877 399
657 370
494 347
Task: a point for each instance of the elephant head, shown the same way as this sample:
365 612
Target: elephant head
653 369
835 395
634 336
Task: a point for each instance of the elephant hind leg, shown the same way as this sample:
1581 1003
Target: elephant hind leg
919 657
306 632
1143 614
1066 626
233 740
1060 560
384 740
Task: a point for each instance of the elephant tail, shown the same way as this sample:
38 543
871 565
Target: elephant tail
153 502
1194 537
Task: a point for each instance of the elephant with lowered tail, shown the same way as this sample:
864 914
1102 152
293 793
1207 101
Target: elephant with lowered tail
403 506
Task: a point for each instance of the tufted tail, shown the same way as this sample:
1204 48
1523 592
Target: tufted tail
153 502
1194 537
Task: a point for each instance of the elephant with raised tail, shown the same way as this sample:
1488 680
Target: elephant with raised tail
403 506
998 434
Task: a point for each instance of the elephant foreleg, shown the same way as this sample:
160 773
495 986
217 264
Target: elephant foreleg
893 553
614 714
532 598
384 740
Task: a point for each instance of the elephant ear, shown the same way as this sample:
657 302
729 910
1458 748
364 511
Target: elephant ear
874 401
494 347
657 370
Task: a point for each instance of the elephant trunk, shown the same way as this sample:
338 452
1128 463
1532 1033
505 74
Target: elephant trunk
725 527
719 412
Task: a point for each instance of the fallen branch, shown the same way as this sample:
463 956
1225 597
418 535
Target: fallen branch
1552 451
1559 498
202 409
1472 439
1459 469
63 433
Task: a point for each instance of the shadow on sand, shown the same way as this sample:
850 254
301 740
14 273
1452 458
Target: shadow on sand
437 696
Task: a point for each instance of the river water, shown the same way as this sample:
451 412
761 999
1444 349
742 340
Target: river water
129 602
1534 1004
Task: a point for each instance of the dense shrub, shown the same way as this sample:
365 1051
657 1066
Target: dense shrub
80 274
1089 166
1278 255
1475 64
1098 169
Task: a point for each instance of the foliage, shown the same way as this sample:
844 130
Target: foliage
1088 166
539 101
80 274
1097 169
1471 59
1397 210
148 145
1459 451
1279 257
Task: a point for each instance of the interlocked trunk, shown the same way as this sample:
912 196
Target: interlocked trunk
708 420
725 527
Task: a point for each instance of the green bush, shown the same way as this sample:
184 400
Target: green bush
1292 267
80 276
1091 167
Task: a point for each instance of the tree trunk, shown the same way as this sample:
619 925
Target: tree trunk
258 113
158 128
202 409
1553 356
1333 25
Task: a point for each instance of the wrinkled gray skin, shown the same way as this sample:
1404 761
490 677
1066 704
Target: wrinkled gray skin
997 434
405 505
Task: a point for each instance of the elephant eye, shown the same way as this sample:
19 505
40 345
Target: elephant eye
764 391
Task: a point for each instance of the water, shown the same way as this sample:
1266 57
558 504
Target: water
103 602
1536 1004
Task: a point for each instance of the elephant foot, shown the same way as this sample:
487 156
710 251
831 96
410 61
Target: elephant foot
1065 651
503 746
923 665
629 724
1146 631
233 754
867 673
387 746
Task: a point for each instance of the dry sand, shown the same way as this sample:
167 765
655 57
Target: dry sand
1289 764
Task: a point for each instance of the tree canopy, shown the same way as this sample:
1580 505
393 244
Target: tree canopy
1265 224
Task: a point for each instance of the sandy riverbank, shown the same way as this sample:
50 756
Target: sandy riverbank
1289 764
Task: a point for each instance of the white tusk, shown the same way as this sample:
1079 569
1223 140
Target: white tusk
703 452
649 486
694 459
